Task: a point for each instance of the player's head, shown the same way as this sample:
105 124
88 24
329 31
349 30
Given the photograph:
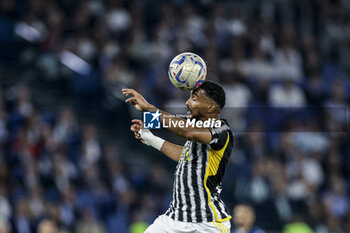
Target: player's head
206 101
243 216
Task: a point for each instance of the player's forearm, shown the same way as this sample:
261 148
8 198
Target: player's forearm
174 127
201 135
181 131
171 150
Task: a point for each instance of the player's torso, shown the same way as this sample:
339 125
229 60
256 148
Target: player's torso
189 153
195 160
196 196
191 166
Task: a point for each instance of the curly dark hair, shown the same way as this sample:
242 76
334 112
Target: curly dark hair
214 91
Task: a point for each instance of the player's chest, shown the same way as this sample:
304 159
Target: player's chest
189 152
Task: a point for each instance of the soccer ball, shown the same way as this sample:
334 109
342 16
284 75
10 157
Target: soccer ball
187 71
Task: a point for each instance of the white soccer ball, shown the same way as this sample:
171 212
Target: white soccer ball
187 71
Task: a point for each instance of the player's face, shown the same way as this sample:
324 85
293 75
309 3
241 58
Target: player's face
197 104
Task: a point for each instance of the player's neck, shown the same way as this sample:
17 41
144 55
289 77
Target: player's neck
211 117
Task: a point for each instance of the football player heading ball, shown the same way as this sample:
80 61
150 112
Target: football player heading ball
196 205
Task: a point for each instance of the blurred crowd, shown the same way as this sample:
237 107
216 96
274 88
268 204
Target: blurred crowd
53 168
285 69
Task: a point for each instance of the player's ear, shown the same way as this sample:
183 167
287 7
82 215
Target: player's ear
212 108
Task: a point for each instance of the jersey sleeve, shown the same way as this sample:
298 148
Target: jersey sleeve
218 137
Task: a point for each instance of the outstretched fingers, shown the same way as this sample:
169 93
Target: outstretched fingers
131 99
128 91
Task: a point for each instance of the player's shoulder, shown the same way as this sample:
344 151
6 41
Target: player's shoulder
221 135
225 123
222 127
219 123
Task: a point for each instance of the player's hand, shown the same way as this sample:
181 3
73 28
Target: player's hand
136 128
137 100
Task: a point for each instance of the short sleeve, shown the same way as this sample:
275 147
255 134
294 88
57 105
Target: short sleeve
219 136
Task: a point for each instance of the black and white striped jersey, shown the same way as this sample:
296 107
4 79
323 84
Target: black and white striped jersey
198 176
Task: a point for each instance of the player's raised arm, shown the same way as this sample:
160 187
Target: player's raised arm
171 150
201 135
137 100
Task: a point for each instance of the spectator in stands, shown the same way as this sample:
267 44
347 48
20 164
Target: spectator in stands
4 226
297 225
47 226
89 224
287 95
335 198
243 219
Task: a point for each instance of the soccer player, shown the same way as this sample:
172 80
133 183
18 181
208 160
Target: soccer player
196 204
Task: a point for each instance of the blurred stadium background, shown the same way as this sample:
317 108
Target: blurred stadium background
66 152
